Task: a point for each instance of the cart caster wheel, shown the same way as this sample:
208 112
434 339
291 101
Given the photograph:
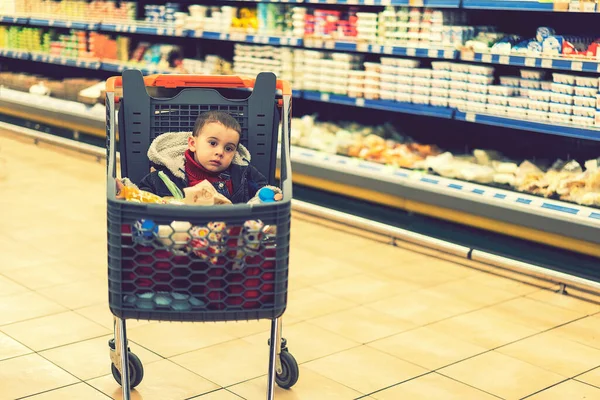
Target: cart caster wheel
290 371
136 371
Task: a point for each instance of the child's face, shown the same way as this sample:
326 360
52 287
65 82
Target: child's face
214 146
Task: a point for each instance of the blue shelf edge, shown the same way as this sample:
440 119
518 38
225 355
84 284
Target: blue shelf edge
517 5
386 105
559 130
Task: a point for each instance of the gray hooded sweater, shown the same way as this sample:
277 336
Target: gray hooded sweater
167 154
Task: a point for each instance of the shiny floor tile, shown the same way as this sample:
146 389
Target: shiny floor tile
54 330
550 351
428 348
361 369
432 386
311 385
501 375
10 348
565 301
572 390
90 359
77 391
31 374
163 380
24 306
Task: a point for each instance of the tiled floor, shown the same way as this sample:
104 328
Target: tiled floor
365 320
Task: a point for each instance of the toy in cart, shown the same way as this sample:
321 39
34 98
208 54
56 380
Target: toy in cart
198 228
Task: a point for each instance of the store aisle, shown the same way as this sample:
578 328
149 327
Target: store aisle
365 319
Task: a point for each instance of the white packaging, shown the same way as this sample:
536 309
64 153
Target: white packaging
354 91
563 119
371 94
561 98
406 71
387 95
581 101
440 74
477 88
460 68
532 74
562 88
420 90
389 69
586 91
457 94
530 84
477 97
561 108
480 79
498 100
566 79
587 81
583 121
511 81
422 73
456 103
421 82
438 101
584 111
481 70
440 84
372 67
438 92
477 107
516 113
518 102
496 109
403 97
539 95
458 85
419 99
499 90
404 80
539 105
403 88
539 116
388 78
441 65
459 76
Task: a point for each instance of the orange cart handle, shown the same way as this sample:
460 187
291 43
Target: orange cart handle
208 81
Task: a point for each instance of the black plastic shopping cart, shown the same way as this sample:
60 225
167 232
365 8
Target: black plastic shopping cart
187 263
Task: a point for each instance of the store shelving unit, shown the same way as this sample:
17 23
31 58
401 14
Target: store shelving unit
553 222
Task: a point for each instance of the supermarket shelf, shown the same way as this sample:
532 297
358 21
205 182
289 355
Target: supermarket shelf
556 223
415 3
387 105
57 23
21 55
533 62
573 131
68 61
517 5
62 113
379 49
243 37
8 19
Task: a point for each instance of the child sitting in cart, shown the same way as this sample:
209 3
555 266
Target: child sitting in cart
211 153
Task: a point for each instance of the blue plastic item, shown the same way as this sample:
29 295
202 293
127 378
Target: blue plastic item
266 195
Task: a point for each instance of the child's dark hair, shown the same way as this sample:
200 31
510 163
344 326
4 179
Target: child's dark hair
221 117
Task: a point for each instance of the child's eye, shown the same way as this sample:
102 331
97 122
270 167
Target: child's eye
212 143
229 148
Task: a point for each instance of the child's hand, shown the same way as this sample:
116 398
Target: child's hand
278 197
120 187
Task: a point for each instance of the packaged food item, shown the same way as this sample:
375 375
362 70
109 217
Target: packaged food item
581 101
532 74
477 88
499 90
587 81
566 79
539 95
518 102
563 89
511 81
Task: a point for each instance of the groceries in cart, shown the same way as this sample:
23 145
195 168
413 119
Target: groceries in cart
206 167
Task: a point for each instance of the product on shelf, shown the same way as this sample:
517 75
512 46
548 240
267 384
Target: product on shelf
66 89
545 43
568 181
74 10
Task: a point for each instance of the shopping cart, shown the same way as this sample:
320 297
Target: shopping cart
238 268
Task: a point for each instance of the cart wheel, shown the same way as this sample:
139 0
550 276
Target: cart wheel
136 371
290 372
